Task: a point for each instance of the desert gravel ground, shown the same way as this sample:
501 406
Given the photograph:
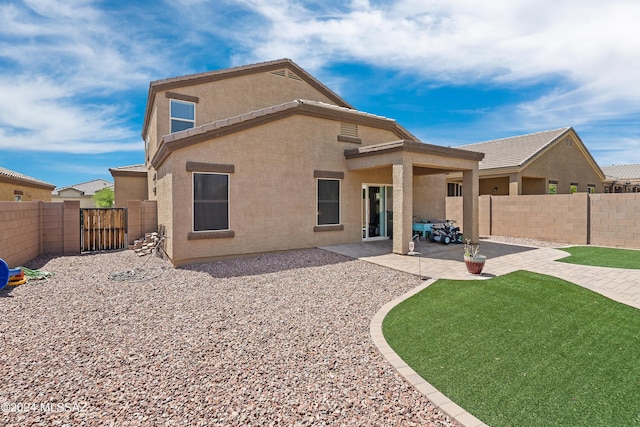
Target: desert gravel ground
279 339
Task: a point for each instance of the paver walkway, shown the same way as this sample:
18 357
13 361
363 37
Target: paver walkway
438 261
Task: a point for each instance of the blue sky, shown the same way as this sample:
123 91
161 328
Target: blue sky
74 74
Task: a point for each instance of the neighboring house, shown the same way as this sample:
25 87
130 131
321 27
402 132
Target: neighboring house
550 162
130 183
622 178
16 187
265 158
83 192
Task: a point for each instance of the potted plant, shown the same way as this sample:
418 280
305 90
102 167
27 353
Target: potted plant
472 259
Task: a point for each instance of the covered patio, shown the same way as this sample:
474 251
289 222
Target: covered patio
408 159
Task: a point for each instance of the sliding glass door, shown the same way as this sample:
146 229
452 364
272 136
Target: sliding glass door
377 218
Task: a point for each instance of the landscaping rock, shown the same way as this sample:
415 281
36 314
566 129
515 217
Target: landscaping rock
279 339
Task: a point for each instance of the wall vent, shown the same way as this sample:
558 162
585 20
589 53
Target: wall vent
349 129
279 73
294 77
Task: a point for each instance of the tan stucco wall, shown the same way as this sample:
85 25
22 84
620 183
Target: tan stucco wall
231 97
164 194
85 201
429 193
566 163
7 192
494 186
272 189
534 186
129 188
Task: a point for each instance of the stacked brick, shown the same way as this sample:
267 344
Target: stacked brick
145 246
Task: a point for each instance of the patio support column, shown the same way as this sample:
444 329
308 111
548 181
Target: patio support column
402 206
515 184
470 204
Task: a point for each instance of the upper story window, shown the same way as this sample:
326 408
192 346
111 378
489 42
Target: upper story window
183 115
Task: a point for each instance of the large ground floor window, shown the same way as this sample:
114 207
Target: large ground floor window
328 201
210 201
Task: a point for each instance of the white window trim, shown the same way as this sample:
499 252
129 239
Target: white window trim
171 118
339 201
193 201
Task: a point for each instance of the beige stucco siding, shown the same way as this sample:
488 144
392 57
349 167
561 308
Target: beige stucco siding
429 196
129 188
232 97
164 193
272 200
566 163
8 192
495 186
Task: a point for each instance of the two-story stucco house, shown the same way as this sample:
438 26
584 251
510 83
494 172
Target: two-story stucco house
264 158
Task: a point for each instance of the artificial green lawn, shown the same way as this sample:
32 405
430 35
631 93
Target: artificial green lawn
602 257
524 349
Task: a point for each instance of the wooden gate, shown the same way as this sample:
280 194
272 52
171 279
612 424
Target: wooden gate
103 229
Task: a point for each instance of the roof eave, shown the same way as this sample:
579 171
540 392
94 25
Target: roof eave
414 147
27 183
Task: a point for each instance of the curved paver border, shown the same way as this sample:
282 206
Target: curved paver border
433 394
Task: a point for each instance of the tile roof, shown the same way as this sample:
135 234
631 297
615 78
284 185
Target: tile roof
88 188
130 168
622 171
218 124
201 133
514 151
17 176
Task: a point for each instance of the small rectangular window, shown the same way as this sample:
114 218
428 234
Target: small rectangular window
328 201
553 188
210 201
182 115
591 189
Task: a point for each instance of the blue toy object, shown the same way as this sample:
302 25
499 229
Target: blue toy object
4 273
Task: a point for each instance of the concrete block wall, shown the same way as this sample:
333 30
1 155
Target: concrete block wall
71 227
555 218
581 218
52 230
615 220
19 232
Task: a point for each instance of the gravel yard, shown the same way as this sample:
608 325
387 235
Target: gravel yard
279 339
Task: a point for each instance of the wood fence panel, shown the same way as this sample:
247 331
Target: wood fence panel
103 229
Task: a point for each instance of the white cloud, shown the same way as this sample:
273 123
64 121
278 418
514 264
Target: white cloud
590 45
68 66
38 115
68 63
